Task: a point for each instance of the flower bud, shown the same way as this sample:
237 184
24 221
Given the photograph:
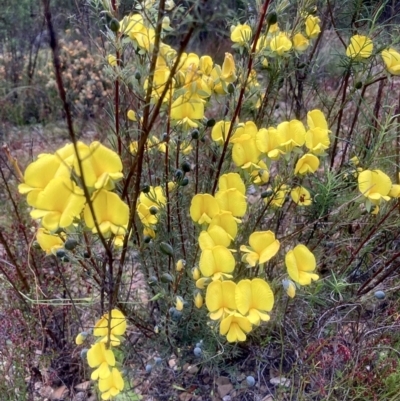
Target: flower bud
184 182
166 278
166 249
198 300
70 244
153 210
196 273
180 264
267 193
272 18
210 123
185 166
195 134
114 25
138 75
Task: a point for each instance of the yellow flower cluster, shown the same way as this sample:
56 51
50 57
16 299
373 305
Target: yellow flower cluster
361 47
59 202
101 356
239 306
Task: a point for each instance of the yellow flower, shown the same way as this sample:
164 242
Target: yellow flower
216 262
154 197
228 71
307 164
203 208
180 265
291 134
289 287
231 181
179 303
101 358
263 247
58 204
245 152
360 47
112 60
301 196
278 197
226 221
102 167
195 274
241 34
391 58
80 338
300 42
280 43
206 65
132 116
300 263
374 185
148 219
220 131
395 191
220 298
317 137
215 235
112 385
268 141
253 299
117 327
198 300
260 176
186 109
233 201
235 327
312 26
49 242
111 213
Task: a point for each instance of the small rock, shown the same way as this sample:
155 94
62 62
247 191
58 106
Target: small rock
222 380
280 380
84 386
227 398
224 389
192 369
185 397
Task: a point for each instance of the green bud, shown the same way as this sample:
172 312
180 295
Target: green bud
272 18
152 281
36 245
166 278
138 75
267 193
153 210
179 174
60 253
146 188
86 254
114 25
184 182
70 244
185 166
166 249
210 123
165 137
358 85
146 239
195 134
231 88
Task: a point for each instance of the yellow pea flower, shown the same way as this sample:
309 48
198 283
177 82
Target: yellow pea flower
49 242
233 201
112 213
203 208
280 43
195 274
112 60
58 204
179 303
300 42
391 58
375 185
216 262
220 298
180 265
300 263
360 47
312 26
112 385
220 131
117 327
186 109
301 196
226 221
235 327
291 134
80 338
131 116
253 299
278 197
214 235
101 358
307 164
263 247
228 70
268 141
317 137
241 34
231 181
